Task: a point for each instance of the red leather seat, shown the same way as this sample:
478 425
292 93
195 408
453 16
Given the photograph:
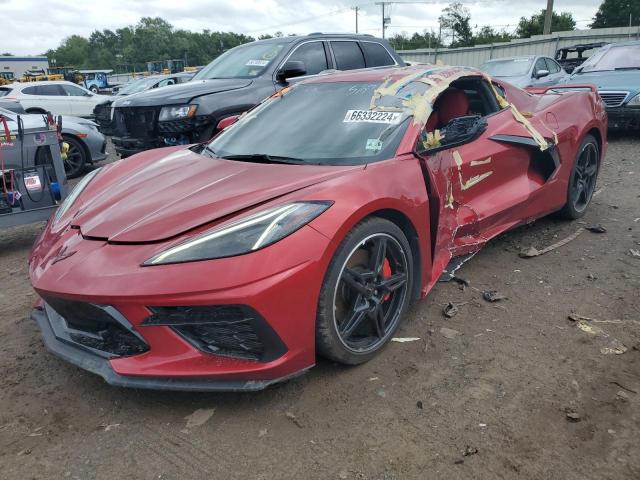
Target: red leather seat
433 121
453 103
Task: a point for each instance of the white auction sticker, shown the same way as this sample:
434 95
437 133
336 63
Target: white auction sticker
370 116
32 182
257 63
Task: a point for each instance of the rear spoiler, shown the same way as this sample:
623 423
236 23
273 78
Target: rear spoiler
562 88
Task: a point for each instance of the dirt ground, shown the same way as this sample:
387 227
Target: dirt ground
491 399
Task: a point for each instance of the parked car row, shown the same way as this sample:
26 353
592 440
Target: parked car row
146 114
614 68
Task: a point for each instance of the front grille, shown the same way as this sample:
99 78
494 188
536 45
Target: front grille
137 122
613 99
228 330
94 327
102 114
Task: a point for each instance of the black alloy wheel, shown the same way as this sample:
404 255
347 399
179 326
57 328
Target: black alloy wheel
365 293
582 182
76 157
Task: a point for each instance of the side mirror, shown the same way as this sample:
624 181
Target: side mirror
227 122
541 73
293 68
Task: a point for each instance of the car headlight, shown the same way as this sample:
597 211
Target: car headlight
634 102
245 235
74 194
174 112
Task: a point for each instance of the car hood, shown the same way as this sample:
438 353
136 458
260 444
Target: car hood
520 81
162 193
628 80
182 93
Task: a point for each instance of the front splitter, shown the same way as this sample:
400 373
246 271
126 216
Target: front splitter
101 366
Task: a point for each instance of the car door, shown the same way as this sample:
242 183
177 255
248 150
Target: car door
312 54
49 97
556 73
347 54
376 55
82 101
539 66
475 186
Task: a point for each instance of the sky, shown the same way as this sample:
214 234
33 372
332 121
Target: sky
31 27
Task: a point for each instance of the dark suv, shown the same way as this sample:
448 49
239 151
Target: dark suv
233 83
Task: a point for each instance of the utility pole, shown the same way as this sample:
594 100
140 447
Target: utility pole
547 18
357 9
384 25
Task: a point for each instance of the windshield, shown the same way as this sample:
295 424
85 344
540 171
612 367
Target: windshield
138 85
317 123
514 67
613 58
245 61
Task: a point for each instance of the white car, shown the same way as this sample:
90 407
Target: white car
57 97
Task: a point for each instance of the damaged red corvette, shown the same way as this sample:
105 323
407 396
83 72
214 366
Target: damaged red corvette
305 228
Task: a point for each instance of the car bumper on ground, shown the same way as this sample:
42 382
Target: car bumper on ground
624 118
157 329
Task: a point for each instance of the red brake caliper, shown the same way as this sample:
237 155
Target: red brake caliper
386 273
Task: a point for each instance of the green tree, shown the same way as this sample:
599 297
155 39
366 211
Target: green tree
401 41
456 18
488 35
615 13
72 53
7 54
151 39
534 25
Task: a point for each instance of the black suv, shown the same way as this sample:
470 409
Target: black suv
233 83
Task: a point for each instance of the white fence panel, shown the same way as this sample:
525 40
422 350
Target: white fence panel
536 45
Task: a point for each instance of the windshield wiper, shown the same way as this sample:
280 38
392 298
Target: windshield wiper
258 157
627 68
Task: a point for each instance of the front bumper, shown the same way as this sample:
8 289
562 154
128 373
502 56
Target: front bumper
136 129
127 146
624 118
97 145
101 366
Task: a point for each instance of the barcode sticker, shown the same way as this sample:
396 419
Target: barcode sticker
370 116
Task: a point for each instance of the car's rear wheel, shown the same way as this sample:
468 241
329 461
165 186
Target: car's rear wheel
365 293
582 182
76 157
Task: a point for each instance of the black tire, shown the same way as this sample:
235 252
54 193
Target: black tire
77 157
94 89
362 300
582 181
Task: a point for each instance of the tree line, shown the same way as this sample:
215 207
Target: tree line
155 39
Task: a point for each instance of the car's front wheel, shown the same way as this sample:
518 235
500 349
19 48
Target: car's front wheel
76 157
365 293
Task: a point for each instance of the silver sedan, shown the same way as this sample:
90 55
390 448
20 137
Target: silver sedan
526 71
86 144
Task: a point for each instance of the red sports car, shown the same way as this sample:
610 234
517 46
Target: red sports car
305 228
